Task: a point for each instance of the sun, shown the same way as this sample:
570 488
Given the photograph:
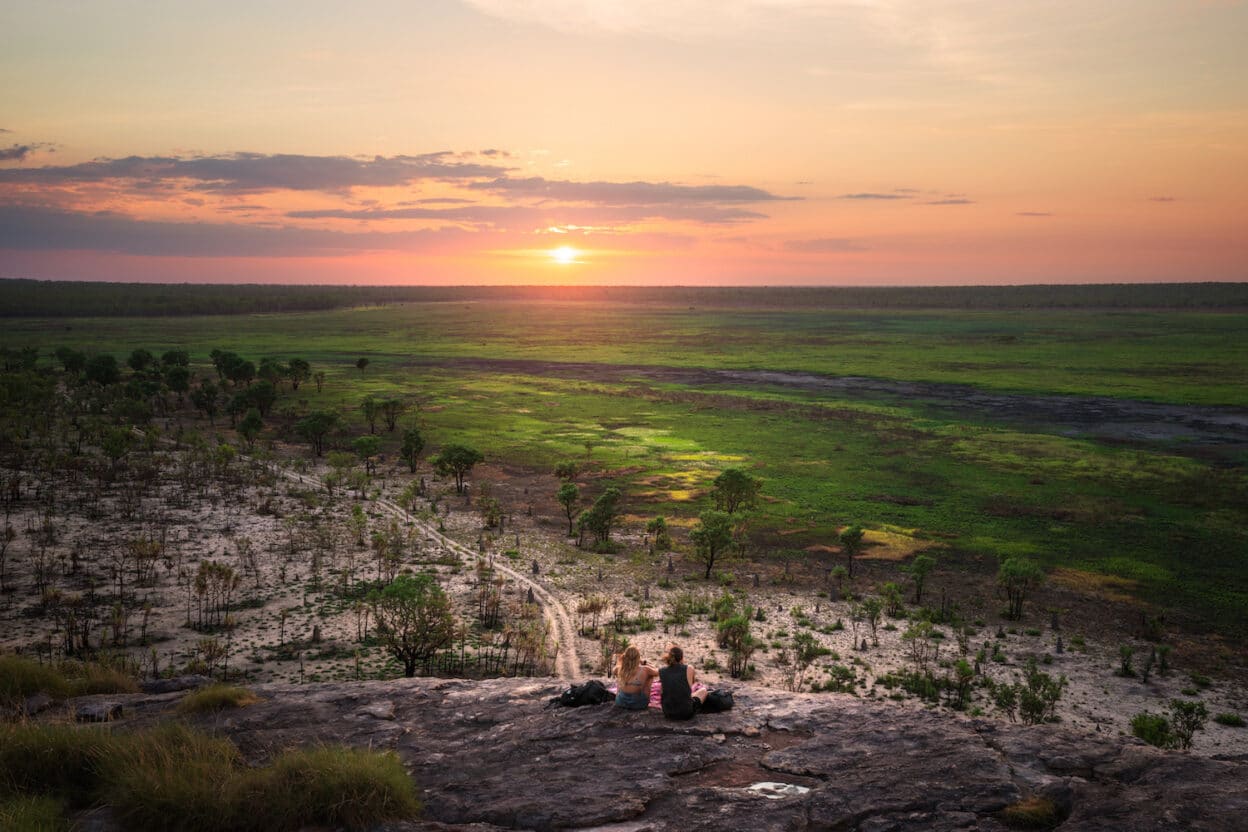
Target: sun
564 255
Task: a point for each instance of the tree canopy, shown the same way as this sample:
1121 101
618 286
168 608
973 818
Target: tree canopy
414 619
456 461
735 489
711 538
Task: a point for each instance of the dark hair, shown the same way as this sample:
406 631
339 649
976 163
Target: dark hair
674 655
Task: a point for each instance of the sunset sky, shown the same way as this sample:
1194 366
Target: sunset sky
660 142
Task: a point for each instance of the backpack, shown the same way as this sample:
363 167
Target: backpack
592 692
716 701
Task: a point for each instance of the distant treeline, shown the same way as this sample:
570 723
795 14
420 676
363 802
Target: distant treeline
47 299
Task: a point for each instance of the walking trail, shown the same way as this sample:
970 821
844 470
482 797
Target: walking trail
567 662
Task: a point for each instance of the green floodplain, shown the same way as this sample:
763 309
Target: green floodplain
1102 439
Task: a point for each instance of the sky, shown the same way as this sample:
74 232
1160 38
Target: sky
724 142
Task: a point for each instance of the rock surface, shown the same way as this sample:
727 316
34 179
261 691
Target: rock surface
489 755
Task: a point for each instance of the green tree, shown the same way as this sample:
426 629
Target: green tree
250 426
1018 576
178 379
72 360
414 619
567 469
371 409
299 371
272 371
315 427
851 545
241 372
206 397
457 461
872 609
711 538
600 519
1186 718
102 370
367 448
735 489
662 537
734 634
140 360
568 495
361 364
391 410
262 396
918 570
175 358
413 446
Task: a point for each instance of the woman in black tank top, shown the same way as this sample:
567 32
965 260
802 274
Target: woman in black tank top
678 699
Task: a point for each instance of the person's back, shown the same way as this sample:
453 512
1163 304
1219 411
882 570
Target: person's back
678 699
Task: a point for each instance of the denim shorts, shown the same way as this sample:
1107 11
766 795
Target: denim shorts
632 701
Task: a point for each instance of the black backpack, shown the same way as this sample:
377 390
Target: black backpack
592 692
716 701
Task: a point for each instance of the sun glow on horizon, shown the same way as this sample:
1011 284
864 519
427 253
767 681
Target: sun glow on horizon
565 255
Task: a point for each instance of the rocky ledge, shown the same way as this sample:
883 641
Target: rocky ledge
489 754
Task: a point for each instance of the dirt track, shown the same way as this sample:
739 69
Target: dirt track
1095 417
567 662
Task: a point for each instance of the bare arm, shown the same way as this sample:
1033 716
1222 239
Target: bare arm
693 677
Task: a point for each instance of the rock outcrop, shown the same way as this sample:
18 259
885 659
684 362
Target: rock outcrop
489 755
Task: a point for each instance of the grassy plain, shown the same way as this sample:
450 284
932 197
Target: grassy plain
1170 520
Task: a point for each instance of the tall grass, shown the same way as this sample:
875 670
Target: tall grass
173 777
31 814
21 677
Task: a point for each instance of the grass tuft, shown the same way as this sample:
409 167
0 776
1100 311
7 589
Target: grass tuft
32 814
1230 720
216 698
1032 813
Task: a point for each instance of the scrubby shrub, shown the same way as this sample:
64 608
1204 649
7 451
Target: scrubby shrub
841 679
216 698
1230 720
734 634
1154 729
1186 719
1037 700
1125 652
1201 681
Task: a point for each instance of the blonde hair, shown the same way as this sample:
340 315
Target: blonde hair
627 663
674 655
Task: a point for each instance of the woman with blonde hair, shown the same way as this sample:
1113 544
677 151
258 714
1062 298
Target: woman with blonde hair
635 677
679 700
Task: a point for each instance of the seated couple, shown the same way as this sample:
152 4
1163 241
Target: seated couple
679 698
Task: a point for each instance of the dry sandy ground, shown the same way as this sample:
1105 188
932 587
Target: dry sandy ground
272 637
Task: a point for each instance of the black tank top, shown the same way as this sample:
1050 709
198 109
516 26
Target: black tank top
677 695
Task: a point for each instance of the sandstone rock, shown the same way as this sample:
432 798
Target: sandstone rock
36 704
98 711
488 755
178 683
